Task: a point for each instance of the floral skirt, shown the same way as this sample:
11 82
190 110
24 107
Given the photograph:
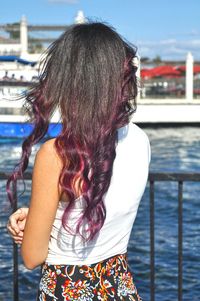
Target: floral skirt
107 280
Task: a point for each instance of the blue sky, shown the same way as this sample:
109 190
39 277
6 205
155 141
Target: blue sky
168 28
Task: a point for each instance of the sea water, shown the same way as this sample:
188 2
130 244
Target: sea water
173 150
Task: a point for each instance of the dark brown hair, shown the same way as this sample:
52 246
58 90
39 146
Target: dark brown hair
89 75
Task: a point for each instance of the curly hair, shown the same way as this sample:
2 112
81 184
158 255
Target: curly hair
88 74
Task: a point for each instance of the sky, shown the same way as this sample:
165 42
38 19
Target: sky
165 28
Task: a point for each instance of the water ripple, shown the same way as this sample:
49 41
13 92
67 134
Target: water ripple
173 150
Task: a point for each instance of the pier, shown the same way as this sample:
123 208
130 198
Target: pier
167 111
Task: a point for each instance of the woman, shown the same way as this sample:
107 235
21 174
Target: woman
88 181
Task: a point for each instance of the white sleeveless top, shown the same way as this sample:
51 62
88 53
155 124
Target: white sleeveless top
130 172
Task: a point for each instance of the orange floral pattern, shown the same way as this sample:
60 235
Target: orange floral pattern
107 280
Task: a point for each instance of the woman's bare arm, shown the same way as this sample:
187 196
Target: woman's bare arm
45 196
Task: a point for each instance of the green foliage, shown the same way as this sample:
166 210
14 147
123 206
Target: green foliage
157 60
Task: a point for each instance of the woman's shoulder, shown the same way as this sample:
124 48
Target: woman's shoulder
49 145
47 152
142 140
137 132
47 149
135 140
132 133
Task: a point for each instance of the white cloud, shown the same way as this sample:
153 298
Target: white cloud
176 49
64 1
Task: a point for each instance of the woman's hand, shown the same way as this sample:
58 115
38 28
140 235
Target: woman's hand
16 224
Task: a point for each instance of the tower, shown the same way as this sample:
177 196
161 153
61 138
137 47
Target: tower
24 36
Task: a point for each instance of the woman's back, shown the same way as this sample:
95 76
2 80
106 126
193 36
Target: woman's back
130 171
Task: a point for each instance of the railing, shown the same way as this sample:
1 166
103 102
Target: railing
153 177
175 177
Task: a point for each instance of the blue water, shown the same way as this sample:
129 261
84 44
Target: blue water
173 150
20 130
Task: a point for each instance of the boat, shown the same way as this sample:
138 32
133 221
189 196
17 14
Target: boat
151 112
17 75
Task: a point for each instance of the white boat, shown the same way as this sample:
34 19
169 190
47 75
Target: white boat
13 121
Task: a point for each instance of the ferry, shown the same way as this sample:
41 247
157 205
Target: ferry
20 71
150 112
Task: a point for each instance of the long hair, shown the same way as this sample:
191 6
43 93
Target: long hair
89 76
